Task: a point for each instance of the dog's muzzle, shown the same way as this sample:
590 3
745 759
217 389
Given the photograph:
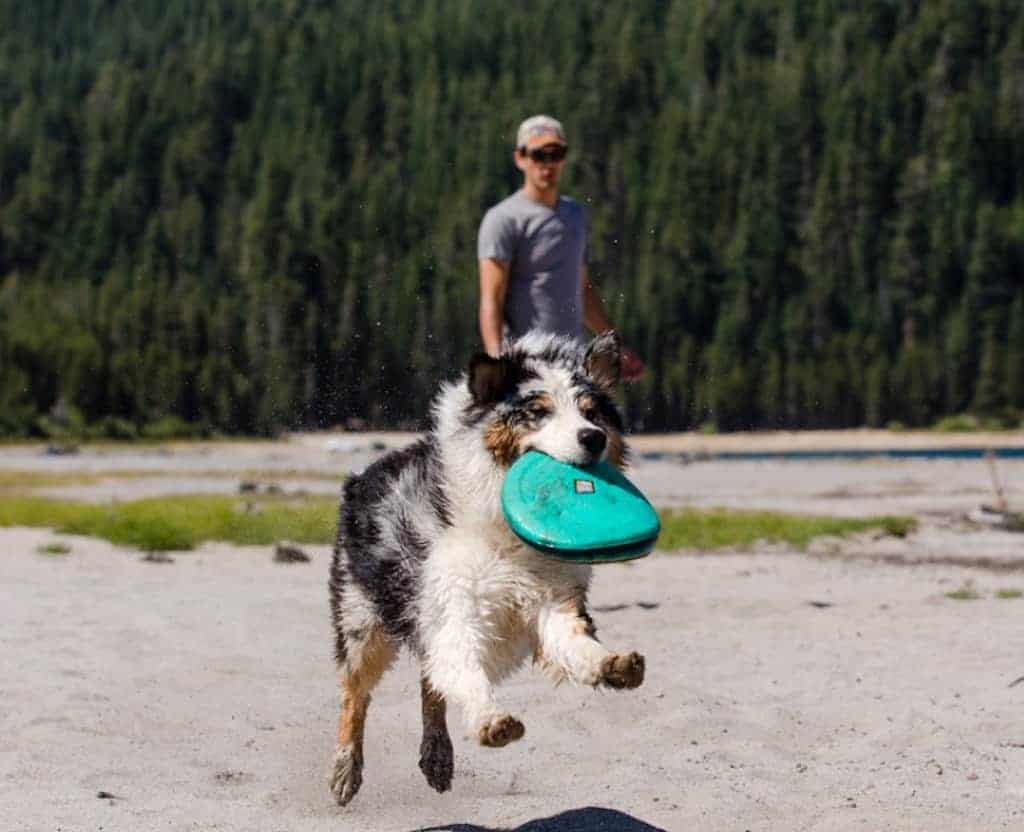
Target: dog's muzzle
593 441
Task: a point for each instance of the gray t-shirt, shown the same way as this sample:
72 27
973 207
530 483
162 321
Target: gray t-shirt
546 248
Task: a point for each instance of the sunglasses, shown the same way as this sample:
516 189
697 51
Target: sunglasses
549 153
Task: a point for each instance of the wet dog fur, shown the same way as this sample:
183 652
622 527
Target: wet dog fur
424 558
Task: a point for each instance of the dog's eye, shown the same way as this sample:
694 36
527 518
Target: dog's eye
538 411
590 414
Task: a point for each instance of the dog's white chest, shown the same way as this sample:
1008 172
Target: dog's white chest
494 578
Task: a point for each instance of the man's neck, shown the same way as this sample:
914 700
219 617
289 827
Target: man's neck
547 197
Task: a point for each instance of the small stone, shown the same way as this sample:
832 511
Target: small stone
285 552
231 777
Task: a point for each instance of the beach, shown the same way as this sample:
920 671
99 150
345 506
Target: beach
865 683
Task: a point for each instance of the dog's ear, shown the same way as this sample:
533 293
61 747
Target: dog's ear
491 379
603 359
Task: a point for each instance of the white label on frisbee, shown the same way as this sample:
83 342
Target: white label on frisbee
584 486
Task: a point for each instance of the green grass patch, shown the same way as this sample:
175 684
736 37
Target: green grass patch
54 549
726 529
175 523
967 592
1007 419
958 423
1009 594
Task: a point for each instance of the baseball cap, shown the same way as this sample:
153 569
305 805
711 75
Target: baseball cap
539 126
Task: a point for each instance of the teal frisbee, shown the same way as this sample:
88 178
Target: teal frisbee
590 514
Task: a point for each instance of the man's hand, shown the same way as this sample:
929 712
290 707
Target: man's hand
632 367
596 320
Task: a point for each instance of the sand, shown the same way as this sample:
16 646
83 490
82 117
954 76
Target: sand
836 689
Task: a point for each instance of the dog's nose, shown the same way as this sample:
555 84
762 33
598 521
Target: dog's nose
593 440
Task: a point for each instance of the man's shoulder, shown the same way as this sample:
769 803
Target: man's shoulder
509 216
500 228
511 206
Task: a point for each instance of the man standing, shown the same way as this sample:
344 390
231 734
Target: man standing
532 250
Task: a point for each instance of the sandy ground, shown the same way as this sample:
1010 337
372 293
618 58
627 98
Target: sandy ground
831 690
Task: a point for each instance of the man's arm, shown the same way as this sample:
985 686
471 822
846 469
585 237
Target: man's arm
493 287
596 320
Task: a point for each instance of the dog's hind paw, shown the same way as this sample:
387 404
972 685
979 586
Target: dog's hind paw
623 671
346 774
500 730
437 762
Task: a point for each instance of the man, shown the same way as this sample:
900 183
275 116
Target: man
532 250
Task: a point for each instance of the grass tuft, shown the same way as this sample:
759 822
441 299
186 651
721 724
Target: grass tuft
967 592
1009 594
958 423
54 549
722 528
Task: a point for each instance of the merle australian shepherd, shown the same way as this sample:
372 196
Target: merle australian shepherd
425 559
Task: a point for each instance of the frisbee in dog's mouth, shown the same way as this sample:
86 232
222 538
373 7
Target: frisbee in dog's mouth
588 514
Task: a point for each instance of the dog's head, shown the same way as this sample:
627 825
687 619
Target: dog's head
549 394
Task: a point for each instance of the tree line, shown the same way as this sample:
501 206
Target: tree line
245 216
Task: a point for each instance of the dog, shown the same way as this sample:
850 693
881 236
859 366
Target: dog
425 559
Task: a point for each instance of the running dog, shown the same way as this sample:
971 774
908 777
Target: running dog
424 557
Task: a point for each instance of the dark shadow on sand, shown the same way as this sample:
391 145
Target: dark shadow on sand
644 605
589 819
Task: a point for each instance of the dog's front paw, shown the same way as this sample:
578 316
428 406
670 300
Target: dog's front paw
346 774
622 672
500 730
437 761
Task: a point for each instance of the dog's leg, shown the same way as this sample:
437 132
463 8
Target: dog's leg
461 626
365 664
569 648
457 648
436 757
457 672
